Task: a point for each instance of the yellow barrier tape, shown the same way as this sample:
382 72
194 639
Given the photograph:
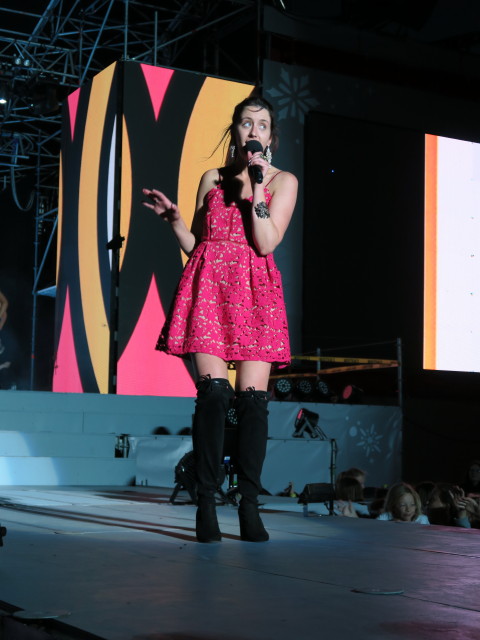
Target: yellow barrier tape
322 372
353 360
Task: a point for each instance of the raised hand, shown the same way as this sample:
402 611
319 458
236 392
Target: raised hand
258 159
346 509
460 502
161 205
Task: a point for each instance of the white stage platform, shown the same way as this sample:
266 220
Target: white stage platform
75 439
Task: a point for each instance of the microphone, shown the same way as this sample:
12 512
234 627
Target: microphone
254 170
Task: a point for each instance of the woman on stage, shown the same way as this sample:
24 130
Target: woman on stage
229 306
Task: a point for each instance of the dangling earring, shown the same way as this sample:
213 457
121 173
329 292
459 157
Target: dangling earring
233 149
268 154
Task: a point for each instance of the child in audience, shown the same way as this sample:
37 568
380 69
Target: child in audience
402 504
353 472
349 498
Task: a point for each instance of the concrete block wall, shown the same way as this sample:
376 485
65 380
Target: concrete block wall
72 439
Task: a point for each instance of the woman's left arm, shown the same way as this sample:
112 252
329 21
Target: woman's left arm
270 222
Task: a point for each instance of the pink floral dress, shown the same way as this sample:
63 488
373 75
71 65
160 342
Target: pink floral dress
229 301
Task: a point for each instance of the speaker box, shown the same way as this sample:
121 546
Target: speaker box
317 492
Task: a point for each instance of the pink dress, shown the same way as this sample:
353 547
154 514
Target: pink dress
229 301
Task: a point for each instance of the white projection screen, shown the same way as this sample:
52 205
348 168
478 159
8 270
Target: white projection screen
452 255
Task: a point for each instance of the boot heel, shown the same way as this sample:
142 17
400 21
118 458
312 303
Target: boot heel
207 528
251 525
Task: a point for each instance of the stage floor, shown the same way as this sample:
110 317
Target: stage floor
122 563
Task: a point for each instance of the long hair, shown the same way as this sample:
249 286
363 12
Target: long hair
425 490
228 137
441 508
396 493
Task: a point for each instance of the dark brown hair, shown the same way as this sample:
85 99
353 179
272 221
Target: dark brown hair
229 133
348 488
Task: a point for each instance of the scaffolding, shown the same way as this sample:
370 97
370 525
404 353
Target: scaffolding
46 56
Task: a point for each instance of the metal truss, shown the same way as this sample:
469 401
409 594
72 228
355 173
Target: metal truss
45 56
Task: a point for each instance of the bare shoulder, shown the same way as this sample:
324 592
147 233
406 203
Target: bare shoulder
283 181
208 181
210 178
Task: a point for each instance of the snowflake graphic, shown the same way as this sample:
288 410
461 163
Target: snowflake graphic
293 96
370 440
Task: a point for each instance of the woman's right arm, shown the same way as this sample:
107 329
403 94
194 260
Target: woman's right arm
164 207
168 211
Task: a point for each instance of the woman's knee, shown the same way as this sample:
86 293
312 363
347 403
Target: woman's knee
252 375
208 365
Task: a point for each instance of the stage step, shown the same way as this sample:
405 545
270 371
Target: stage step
37 411
49 443
56 471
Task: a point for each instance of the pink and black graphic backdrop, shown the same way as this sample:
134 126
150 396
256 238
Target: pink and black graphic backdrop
134 125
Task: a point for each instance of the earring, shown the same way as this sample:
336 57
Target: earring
268 154
233 149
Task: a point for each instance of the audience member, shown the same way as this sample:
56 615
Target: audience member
424 490
3 310
427 503
353 472
441 508
471 482
349 498
3 319
468 511
402 504
448 506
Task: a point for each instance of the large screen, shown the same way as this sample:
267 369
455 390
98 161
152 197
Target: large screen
392 247
452 255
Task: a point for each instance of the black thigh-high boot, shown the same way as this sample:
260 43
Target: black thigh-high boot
214 398
252 433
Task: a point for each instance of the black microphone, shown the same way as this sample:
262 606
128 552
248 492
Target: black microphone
254 170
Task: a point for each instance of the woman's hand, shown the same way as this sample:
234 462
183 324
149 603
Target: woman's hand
161 205
346 509
472 507
257 159
460 502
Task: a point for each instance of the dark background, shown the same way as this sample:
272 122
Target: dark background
17 232
363 282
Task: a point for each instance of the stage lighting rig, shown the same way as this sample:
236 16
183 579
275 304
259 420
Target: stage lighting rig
323 391
304 389
352 394
282 388
307 422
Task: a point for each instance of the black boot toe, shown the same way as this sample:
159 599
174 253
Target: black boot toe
251 525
